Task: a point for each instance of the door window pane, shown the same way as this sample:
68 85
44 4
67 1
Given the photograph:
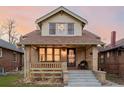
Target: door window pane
71 56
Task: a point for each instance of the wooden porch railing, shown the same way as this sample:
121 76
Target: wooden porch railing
47 70
47 65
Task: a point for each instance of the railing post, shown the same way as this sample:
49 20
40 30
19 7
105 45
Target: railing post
65 73
64 66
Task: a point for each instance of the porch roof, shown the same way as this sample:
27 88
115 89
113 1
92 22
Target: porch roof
35 37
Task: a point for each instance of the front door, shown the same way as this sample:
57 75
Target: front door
71 57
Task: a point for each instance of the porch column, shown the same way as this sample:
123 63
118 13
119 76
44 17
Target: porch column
26 62
94 58
34 54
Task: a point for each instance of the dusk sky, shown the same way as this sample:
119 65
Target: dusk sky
101 20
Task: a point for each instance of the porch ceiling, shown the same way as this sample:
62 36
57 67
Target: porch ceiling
64 46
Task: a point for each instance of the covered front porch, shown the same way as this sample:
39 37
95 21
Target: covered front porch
57 59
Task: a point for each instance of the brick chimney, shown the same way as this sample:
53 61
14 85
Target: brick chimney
113 38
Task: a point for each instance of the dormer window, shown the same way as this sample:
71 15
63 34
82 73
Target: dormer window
70 28
52 28
61 28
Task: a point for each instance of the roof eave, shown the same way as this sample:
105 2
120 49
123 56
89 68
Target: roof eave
59 9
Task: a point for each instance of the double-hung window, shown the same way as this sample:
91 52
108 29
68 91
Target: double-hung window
70 28
52 28
49 54
56 54
14 56
1 53
61 28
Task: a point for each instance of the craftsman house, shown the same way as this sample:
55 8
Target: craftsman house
60 44
11 57
111 58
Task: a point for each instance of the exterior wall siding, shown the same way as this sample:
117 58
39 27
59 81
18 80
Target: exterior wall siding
63 18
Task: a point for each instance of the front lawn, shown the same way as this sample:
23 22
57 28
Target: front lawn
15 80
9 80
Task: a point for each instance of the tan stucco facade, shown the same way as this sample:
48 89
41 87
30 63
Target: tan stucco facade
63 18
90 54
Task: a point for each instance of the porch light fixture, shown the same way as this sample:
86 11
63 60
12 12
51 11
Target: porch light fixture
63 49
98 45
91 53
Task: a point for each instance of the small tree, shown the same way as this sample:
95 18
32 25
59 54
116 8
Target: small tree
9 29
2 32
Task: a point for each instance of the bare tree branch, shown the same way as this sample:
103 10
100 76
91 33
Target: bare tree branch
9 29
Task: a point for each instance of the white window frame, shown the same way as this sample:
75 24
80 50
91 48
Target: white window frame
1 52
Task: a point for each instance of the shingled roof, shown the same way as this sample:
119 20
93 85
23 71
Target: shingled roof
119 43
7 45
36 38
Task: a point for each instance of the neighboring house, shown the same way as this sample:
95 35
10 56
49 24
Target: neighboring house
60 43
11 57
111 58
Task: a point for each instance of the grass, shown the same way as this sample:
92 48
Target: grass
115 78
13 81
9 80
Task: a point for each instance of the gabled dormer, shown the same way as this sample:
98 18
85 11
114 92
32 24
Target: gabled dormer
61 22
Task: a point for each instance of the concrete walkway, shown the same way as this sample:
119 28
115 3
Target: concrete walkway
112 84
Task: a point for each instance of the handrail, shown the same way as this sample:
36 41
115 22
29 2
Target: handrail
47 65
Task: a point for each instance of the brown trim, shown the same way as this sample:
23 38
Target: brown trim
30 54
45 54
53 54
38 54
60 53
85 53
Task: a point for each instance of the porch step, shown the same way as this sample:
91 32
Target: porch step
82 78
80 71
81 75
